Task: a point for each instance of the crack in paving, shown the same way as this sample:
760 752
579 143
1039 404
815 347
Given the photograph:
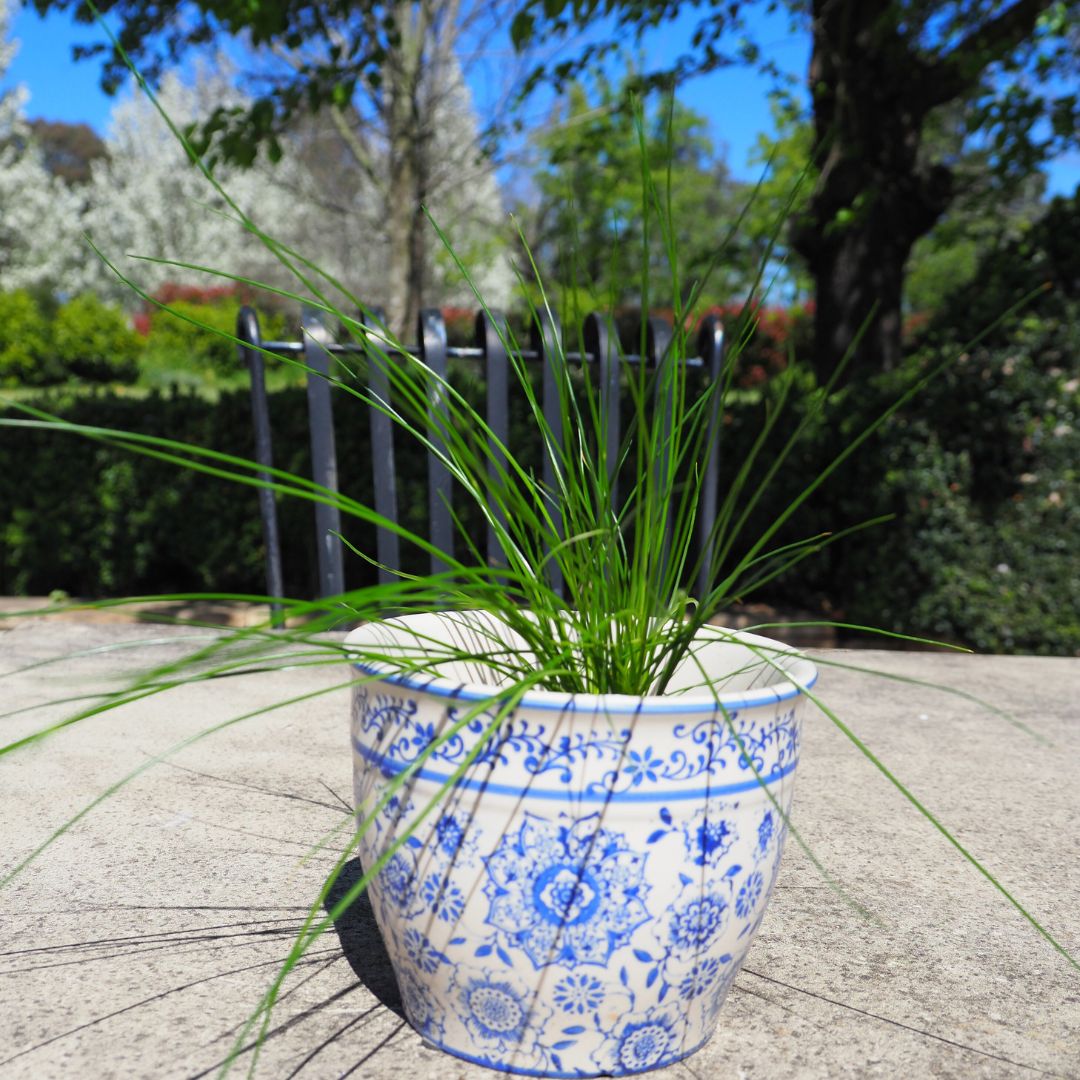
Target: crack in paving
317 959
907 1027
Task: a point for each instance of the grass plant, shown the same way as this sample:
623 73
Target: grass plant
625 617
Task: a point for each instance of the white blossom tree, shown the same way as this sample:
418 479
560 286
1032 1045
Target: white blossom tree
147 199
39 216
412 135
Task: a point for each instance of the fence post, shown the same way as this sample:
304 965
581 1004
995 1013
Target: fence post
247 330
546 337
490 333
383 466
440 488
323 452
711 351
597 337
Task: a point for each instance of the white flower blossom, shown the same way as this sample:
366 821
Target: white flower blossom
39 216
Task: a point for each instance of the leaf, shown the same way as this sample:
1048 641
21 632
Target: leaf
642 955
521 29
659 834
484 950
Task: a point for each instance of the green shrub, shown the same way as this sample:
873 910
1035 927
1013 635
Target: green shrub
982 473
177 344
25 342
94 343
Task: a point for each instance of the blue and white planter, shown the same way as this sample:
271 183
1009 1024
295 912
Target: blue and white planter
582 899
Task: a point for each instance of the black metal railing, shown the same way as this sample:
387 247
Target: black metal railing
317 347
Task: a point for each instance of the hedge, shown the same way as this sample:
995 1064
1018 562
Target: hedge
982 473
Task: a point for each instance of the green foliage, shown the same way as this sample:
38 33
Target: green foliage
120 525
82 340
983 475
176 343
784 190
134 526
25 342
1045 256
94 343
986 482
589 233
181 351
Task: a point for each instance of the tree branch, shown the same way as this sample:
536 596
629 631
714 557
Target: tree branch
959 70
357 150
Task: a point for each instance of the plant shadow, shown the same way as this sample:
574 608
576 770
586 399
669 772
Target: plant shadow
361 942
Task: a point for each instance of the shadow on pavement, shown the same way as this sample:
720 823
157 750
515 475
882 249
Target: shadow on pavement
361 942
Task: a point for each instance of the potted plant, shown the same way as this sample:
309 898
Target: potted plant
582 898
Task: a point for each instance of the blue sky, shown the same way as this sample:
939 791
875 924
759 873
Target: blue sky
735 100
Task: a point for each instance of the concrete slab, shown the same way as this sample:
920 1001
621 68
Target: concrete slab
138 943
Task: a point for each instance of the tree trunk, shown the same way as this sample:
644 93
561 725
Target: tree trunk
401 301
874 197
408 134
859 275
873 87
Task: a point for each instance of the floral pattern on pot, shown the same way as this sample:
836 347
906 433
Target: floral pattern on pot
566 891
737 748
580 901
642 1041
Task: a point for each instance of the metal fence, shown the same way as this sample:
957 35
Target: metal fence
317 347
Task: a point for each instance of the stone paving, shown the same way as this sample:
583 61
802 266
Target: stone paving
137 945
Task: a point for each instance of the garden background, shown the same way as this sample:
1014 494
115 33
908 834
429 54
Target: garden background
912 182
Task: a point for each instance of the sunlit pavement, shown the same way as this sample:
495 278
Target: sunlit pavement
139 943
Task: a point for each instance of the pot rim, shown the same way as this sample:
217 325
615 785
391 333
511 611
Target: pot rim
803 674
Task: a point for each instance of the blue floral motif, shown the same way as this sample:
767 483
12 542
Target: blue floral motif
393 732
643 1041
397 881
720 993
500 1013
421 952
749 895
765 831
397 808
702 976
740 747
566 891
696 923
444 898
449 834
642 766
528 945
579 994
709 839
420 1008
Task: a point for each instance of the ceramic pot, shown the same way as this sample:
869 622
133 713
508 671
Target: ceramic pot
581 899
